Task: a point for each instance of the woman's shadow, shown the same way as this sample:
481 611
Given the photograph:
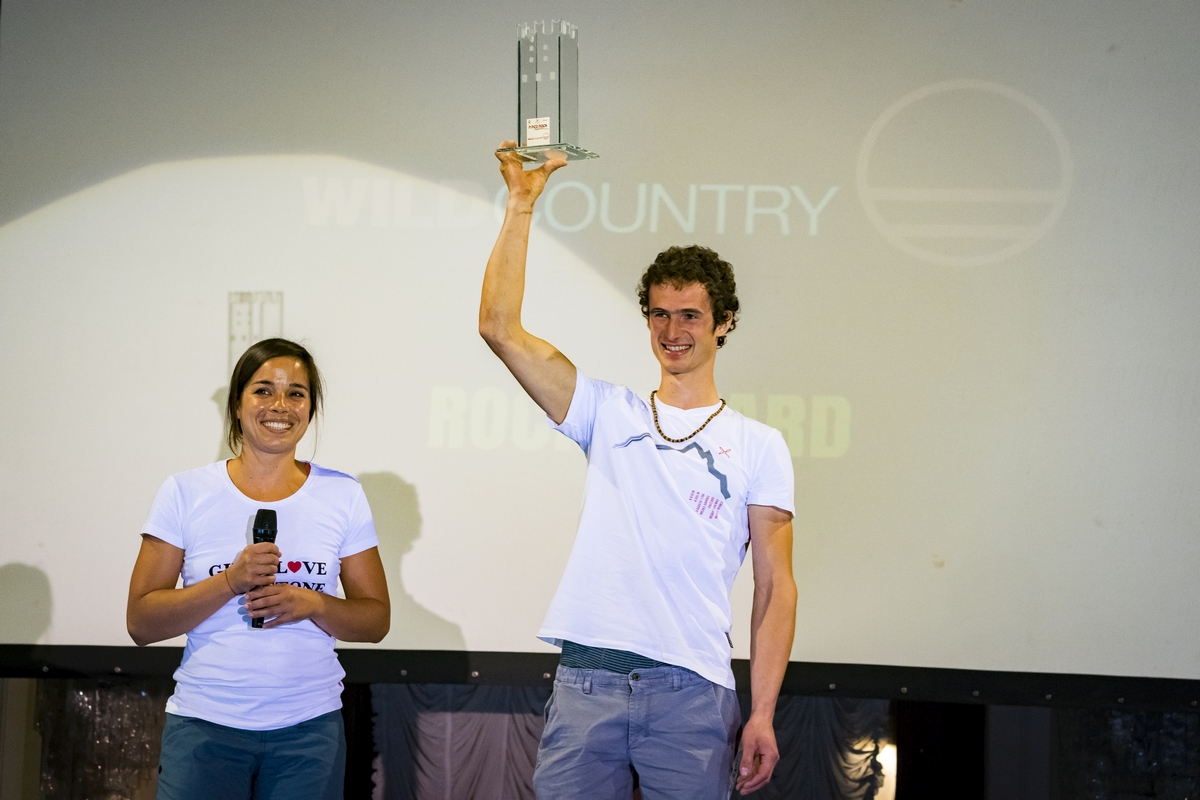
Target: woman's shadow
398 523
26 599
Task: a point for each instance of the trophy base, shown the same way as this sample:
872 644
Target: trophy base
538 154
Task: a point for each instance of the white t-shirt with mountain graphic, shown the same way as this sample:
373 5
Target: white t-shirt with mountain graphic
664 527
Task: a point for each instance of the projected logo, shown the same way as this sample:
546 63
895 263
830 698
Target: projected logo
490 418
568 206
964 173
253 316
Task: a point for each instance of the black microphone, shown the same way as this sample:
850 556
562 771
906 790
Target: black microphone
265 527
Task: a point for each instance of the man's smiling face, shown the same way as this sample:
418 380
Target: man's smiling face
682 332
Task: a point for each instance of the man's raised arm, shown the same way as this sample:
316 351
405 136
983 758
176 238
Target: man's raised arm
545 373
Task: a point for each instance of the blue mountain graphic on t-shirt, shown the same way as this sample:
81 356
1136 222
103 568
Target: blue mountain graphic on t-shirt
706 455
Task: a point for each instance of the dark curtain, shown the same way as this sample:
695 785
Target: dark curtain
439 742
828 748
480 743
434 742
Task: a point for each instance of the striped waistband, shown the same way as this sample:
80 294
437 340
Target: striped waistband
582 656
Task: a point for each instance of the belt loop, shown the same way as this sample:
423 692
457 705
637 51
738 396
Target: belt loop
587 682
676 679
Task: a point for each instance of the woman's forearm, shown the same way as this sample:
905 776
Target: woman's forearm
166 613
157 610
363 619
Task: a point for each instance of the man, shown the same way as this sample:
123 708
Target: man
678 485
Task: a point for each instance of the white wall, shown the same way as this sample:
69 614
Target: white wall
965 237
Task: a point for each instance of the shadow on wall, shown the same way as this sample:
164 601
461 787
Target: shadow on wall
221 397
25 597
398 523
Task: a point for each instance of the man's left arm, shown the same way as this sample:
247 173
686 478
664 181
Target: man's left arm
772 627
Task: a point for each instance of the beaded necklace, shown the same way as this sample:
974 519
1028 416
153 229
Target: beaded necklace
654 409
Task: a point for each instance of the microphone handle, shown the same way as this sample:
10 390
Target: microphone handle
262 535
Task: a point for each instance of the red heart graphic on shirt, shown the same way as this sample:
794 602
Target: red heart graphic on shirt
294 566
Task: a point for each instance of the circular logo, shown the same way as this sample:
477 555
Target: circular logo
964 173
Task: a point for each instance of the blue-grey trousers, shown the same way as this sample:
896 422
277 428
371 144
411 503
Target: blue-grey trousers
204 761
677 729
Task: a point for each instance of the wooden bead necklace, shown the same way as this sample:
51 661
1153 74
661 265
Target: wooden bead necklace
654 409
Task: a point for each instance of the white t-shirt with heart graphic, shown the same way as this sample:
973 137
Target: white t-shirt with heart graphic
243 677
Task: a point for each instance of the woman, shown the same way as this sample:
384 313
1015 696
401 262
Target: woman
256 712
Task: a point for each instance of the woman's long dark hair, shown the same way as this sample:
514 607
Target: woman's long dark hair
254 357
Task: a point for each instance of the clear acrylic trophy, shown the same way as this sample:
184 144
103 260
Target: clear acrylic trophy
548 92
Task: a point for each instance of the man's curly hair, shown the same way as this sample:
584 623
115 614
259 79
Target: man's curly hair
679 266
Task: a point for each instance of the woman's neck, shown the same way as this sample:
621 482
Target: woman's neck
267 476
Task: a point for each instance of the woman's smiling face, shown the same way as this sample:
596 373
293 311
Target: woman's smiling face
276 406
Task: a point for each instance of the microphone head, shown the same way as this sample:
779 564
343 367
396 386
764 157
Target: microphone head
265 520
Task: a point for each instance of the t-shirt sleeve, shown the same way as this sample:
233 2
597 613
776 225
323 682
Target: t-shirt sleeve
361 533
166 514
773 483
581 416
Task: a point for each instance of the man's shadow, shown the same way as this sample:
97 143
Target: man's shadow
398 523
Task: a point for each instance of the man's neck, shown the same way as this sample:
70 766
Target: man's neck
690 390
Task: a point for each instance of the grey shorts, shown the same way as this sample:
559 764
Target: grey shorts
674 727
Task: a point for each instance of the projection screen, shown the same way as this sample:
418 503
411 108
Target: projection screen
966 239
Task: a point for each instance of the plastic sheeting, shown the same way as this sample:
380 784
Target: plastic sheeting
1108 754
99 741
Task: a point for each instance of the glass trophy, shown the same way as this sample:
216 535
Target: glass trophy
548 92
